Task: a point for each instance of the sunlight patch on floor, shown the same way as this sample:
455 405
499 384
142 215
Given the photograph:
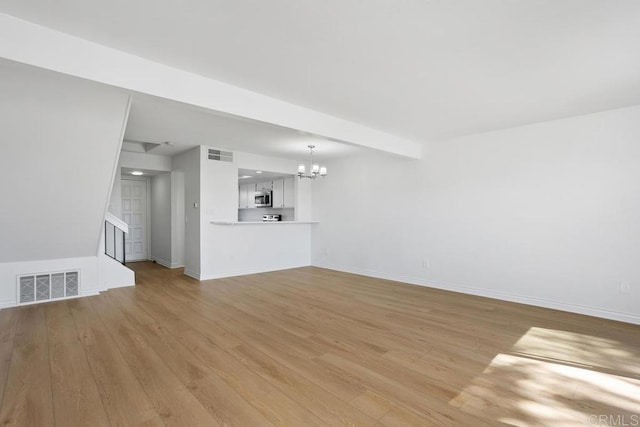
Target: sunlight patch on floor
578 349
559 378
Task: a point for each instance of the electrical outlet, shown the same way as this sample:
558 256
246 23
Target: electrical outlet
625 287
426 263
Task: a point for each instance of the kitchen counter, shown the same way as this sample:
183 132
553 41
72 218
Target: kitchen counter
261 222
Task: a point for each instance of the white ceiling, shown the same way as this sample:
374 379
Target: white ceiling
145 172
416 68
251 176
184 126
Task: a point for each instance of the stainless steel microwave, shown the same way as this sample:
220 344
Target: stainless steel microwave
263 199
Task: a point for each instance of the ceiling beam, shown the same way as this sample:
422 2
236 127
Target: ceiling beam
32 44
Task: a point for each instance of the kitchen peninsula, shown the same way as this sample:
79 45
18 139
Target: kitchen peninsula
262 222
237 241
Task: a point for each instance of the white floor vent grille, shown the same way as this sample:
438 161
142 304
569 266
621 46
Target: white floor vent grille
48 286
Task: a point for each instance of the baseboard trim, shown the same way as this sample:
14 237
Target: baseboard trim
118 286
246 271
192 274
165 263
12 303
89 292
534 301
7 303
85 293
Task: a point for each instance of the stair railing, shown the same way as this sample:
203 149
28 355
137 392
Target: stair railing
114 237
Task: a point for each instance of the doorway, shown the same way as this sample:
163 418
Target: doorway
134 213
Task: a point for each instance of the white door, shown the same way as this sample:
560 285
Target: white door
134 213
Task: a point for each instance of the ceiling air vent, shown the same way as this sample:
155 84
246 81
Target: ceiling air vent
222 156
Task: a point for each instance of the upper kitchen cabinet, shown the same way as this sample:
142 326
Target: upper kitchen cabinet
246 197
289 192
281 189
264 186
284 192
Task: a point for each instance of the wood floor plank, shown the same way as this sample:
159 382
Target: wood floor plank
317 400
262 395
344 387
222 402
27 398
123 398
76 400
313 347
274 405
271 402
8 323
171 399
278 346
373 404
432 403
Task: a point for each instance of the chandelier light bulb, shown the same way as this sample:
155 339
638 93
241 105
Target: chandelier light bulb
314 168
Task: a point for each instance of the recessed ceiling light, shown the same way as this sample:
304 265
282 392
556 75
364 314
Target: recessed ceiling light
258 171
137 173
244 177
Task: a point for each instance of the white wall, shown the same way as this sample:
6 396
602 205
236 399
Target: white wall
304 191
177 219
160 203
60 142
188 163
267 163
213 185
546 214
59 151
9 272
115 198
234 250
168 219
219 189
145 161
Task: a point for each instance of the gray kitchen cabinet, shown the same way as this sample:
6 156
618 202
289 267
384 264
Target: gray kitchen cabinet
283 192
266 185
242 197
289 192
246 195
277 198
251 195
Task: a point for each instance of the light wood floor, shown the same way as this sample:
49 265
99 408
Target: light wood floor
309 347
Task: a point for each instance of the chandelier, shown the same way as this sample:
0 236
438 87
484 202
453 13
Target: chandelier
314 168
